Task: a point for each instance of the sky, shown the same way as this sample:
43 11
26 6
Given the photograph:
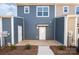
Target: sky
8 9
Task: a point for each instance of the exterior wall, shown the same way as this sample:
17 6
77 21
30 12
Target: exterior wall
6 26
60 29
17 21
71 27
59 8
31 22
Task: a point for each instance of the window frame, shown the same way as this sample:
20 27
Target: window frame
76 10
28 9
67 9
42 11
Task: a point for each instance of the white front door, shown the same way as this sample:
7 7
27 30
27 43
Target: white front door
19 33
42 33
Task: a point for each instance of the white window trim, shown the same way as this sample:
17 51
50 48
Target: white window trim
28 9
42 7
75 10
67 10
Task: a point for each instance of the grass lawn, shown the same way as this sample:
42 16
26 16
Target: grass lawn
19 50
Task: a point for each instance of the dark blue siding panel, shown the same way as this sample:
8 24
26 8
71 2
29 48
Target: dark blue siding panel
60 29
6 26
17 21
31 22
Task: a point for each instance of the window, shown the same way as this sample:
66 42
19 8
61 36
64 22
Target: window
26 9
42 11
77 10
65 9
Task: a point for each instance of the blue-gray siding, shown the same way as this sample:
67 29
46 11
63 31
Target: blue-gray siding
17 22
6 26
31 22
60 29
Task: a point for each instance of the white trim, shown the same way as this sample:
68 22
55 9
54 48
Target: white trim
42 25
65 30
76 32
18 17
16 11
75 10
67 10
28 9
12 28
42 11
55 10
1 32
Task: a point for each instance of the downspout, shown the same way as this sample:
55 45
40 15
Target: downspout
23 29
54 22
54 28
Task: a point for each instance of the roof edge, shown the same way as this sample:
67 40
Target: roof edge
22 4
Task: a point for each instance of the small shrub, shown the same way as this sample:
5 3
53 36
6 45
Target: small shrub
0 47
28 46
77 49
12 47
61 47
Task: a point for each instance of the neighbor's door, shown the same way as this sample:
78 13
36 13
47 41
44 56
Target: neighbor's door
78 33
19 33
42 33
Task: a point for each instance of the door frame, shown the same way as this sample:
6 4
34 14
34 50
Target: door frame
44 29
21 34
41 25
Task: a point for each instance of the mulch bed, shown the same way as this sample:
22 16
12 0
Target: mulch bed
20 50
65 51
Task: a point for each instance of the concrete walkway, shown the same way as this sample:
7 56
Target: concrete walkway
39 42
44 50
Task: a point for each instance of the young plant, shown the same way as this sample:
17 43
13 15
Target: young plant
13 47
28 46
61 47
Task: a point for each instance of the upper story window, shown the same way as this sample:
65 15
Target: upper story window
65 9
26 9
77 10
42 11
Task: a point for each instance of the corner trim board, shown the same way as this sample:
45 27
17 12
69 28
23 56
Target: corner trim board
65 30
76 31
55 10
1 31
12 28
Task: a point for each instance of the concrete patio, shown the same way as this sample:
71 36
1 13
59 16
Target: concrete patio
39 42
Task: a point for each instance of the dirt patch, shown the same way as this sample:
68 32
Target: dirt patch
64 51
20 50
